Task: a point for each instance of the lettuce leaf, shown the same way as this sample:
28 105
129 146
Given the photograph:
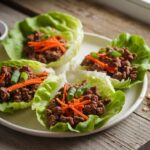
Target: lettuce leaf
10 107
137 45
54 83
52 23
34 65
37 67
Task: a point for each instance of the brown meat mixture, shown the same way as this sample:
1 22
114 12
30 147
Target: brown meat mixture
50 55
54 112
122 64
22 94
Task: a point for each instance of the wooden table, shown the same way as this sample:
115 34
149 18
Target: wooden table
130 133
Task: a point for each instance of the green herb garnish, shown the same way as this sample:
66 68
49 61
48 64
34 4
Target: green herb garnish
15 76
71 93
93 54
115 53
102 50
80 91
23 76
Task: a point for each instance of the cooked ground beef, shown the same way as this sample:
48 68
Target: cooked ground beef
96 106
122 64
22 94
47 56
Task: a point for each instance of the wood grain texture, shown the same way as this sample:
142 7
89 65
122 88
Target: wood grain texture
129 134
10 16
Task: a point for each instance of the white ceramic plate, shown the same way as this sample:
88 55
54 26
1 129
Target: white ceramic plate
3 29
25 120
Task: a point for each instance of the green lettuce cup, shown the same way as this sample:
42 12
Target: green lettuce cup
66 29
50 88
125 61
19 81
138 46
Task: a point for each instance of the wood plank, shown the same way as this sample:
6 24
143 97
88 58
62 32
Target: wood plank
94 142
133 131
140 111
10 16
98 19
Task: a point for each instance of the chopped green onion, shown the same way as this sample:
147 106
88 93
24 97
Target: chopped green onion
15 76
102 50
80 91
93 54
115 53
71 93
23 76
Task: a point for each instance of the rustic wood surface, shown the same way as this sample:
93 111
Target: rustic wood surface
130 133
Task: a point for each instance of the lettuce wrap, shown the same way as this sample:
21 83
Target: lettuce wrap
50 87
36 67
50 24
135 45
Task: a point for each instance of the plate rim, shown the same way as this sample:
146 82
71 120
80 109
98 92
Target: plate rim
70 134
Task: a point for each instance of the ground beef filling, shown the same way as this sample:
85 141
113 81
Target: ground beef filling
122 64
96 106
22 94
47 56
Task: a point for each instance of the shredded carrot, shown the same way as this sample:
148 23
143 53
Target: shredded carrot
101 54
42 78
2 77
111 69
86 102
62 103
80 99
74 103
42 74
64 92
101 64
25 83
44 48
44 45
78 112
76 106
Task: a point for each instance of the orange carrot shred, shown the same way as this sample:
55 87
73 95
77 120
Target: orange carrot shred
101 64
101 54
25 83
81 98
60 102
78 112
76 106
44 45
86 102
65 92
42 74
